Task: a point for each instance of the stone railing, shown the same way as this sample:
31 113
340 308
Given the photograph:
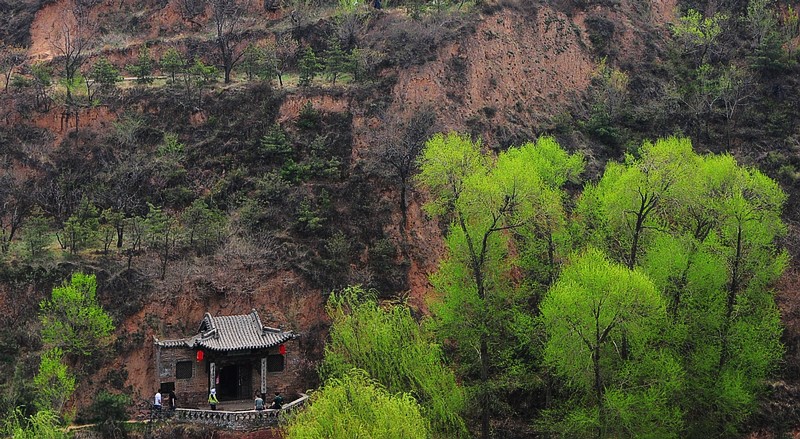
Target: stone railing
236 420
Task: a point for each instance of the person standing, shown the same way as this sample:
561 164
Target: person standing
157 400
212 399
277 402
259 402
173 401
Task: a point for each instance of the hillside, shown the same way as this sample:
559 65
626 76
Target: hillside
303 180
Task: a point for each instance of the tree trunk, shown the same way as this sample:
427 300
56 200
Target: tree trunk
484 378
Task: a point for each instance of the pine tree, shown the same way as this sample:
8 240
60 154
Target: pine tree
309 67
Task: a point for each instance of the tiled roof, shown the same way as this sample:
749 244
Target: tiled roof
229 333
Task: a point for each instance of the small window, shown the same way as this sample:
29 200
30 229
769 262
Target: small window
167 387
183 370
274 363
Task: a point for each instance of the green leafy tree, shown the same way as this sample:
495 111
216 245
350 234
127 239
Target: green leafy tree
54 383
309 67
204 225
81 228
275 143
623 208
395 351
604 327
482 311
173 63
105 75
203 75
336 60
143 68
708 232
699 35
36 236
73 320
259 62
163 232
356 406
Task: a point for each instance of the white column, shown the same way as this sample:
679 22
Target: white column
212 375
264 376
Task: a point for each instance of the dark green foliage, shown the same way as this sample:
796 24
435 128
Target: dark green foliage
143 68
109 411
173 63
259 62
204 226
309 117
105 74
309 67
336 61
275 143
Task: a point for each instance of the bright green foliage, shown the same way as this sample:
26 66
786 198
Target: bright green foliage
356 406
173 62
395 351
54 384
604 324
172 146
143 68
81 229
309 67
705 230
627 203
699 34
731 320
42 425
336 60
105 74
73 320
482 310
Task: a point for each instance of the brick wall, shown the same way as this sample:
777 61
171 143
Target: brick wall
193 392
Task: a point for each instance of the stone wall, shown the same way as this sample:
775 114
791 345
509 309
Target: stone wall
242 420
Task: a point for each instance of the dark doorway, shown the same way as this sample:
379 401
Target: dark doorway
235 381
228 387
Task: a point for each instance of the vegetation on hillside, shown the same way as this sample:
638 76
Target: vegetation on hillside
623 290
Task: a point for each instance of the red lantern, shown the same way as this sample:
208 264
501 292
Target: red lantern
199 355
282 349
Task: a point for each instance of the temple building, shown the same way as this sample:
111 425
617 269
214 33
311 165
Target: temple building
236 355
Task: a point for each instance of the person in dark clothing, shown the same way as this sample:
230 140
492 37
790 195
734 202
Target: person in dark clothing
173 400
277 402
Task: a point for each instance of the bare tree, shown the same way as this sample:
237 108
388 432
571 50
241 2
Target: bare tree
72 40
399 143
227 16
11 57
285 54
15 203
